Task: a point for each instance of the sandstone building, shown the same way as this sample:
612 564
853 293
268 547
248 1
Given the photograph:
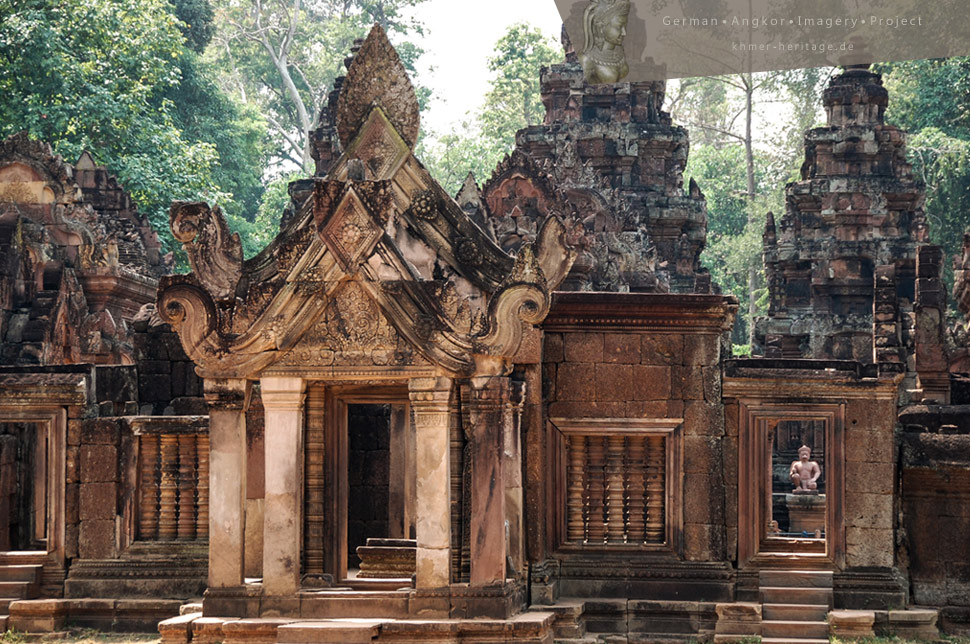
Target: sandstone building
511 415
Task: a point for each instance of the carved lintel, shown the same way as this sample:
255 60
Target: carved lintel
215 253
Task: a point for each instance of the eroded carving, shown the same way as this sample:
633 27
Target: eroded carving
377 77
215 253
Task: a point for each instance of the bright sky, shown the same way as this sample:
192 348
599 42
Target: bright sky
460 37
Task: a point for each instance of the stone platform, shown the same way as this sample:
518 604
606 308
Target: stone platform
130 615
528 628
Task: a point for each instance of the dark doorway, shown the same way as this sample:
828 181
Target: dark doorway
23 498
368 480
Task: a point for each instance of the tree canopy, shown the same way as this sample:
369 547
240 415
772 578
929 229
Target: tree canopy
512 102
122 80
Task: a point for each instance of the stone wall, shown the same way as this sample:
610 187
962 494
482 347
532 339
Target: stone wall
637 364
167 382
864 406
935 500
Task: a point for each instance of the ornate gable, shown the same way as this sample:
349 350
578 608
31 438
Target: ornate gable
379 273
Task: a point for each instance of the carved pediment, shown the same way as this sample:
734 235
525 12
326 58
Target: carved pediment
352 332
380 272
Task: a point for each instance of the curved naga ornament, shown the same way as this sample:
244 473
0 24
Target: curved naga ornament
526 294
215 253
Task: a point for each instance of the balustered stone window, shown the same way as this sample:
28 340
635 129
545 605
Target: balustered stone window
620 482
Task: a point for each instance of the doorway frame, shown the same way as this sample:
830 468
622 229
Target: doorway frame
754 453
51 423
337 441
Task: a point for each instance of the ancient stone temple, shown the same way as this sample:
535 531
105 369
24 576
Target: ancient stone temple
511 415
79 370
78 259
856 214
378 291
615 157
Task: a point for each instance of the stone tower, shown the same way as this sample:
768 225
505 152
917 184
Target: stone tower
841 262
615 157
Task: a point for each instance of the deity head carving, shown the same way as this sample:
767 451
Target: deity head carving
805 451
604 27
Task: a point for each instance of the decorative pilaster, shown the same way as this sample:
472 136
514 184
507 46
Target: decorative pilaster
314 488
430 399
282 535
228 401
488 422
514 496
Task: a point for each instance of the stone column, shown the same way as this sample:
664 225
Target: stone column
283 505
514 503
488 419
430 398
228 401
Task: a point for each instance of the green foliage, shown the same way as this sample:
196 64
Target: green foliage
282 57
731 258
274 200
719 170
93 76
119 79
512 102
943 163
930 94
741 350
203 112
196 25
742 166
931 100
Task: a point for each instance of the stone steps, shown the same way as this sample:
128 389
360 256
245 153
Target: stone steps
358 605
569 624
21 572
530 627
784 595
794 629
14 590
794 612
350 631
794 606
796 578
18 581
